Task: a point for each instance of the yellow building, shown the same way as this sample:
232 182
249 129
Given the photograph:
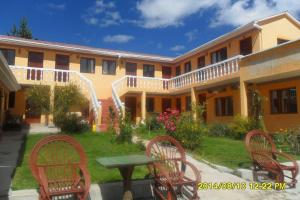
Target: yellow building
263 54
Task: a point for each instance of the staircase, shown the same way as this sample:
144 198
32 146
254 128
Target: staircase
106 103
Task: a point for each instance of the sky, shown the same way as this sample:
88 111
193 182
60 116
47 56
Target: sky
163 27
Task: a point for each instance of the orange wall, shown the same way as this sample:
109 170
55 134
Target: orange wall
274 122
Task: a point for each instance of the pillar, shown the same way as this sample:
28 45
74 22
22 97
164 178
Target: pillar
50 116
193 100
244 98
143 106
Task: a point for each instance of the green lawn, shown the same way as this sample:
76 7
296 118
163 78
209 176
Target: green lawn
95 145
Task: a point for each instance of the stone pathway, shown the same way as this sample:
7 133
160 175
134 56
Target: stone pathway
220 174
10 148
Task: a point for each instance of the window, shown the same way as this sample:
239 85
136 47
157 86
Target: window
188 103
87 65
131 68
178 71
178 104
148 70
9 55
201 62
219 55
12 99
284 101
150 104
224 106
246 46
166 72
187 67
109 67
281 41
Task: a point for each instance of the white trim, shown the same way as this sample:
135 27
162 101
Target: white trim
9 80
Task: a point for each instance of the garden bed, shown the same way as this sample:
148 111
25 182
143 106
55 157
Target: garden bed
95 145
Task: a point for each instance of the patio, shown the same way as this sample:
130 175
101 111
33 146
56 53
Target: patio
106 180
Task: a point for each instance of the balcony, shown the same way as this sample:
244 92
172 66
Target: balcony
225 70
49 76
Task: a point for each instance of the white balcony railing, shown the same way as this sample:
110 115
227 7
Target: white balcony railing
210 72
49 76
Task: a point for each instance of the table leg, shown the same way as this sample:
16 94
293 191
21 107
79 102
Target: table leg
126 173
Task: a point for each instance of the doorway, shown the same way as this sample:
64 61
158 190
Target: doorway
202 101
131 69
35 59
62 62
166 103
166 74
130 105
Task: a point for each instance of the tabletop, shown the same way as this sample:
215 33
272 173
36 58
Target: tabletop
125 160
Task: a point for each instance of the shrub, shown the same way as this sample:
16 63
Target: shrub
125 128
188 132
111 120
152 123
240 126
142 129
71 123
288 140
169 120
219 129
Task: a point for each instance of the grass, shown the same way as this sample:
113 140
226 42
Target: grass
148 135
95 145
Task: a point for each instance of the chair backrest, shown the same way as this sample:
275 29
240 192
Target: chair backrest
59 156
258 141
169 151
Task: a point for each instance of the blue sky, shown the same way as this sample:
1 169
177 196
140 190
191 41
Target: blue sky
165 27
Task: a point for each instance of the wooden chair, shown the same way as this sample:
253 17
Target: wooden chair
265 156
59 165
170 180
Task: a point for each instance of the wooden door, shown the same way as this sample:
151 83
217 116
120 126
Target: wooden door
167 74
35 59
130 104
62 62
131 69
178 104
202 101
166 103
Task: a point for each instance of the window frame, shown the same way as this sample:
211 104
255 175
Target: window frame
280 103
224 101
87 59
218 54
146 70
5 51
109 72
245 52
201 62
178 71
150 108
187 67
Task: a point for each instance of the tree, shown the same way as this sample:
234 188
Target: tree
22 31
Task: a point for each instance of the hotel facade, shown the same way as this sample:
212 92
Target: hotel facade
264 55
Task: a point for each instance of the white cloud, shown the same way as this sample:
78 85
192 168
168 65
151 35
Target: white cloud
177 48
59 7
164 13
102 14
118 38
192 35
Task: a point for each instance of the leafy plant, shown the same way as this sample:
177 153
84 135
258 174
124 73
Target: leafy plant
111 120
74 124
125 128
66 99
188 131
288 140
256 111
38 99
169 120
240 126
152 123
219 130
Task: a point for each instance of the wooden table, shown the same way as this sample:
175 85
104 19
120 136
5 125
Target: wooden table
126 165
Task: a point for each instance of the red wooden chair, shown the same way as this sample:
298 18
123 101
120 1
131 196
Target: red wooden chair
59 165
169 172
265 156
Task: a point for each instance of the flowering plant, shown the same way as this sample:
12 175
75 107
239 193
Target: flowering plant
169 119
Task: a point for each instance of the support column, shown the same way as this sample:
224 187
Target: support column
50 117
143 106
244 98
193 100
